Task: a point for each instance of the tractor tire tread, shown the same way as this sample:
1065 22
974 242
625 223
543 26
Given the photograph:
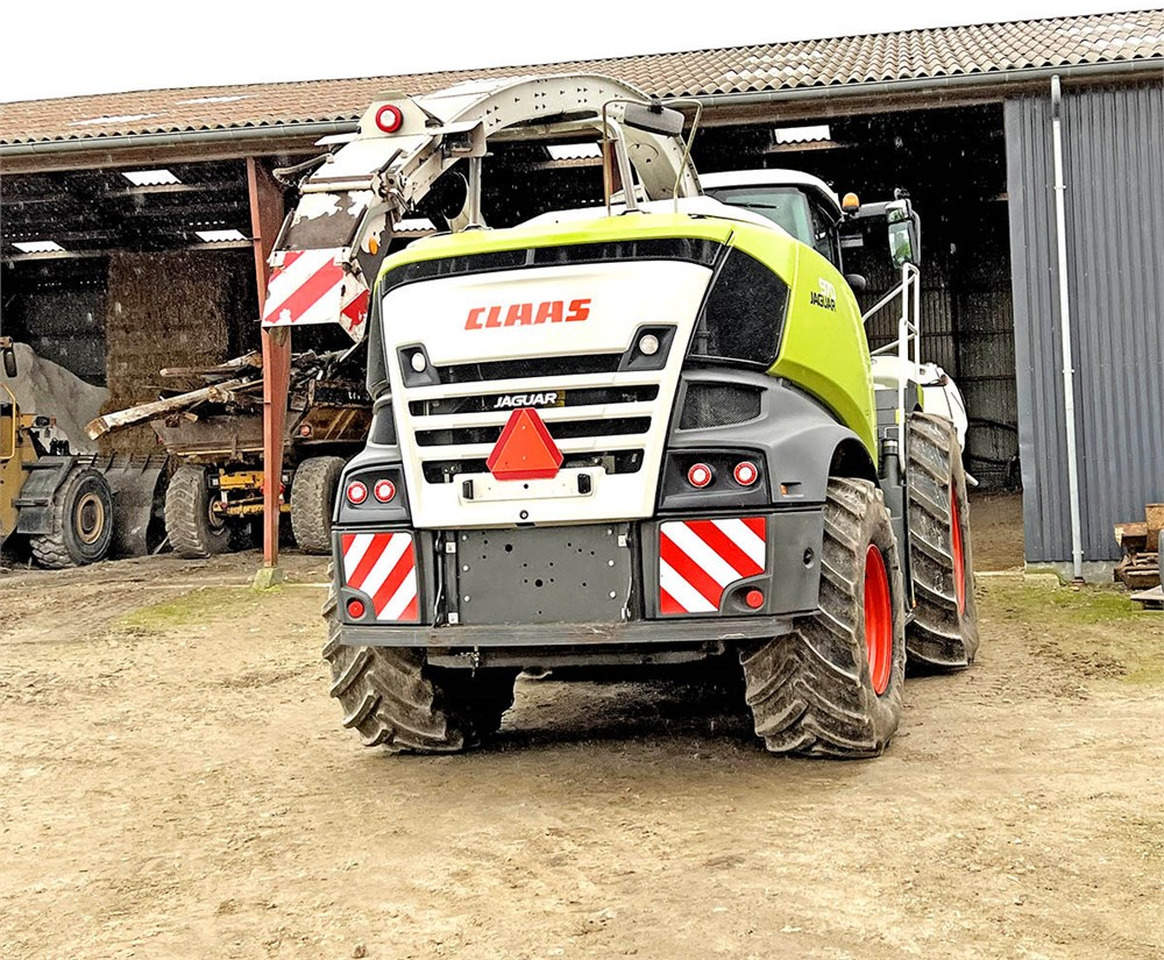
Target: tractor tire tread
394 699
187 518
810 691
312 498
939 636
51 550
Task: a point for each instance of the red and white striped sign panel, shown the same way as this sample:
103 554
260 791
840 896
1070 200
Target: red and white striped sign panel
699 559
311 286
383 566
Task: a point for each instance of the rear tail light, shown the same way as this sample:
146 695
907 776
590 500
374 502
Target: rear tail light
357 492
754 599
746 473
355 609
384 491
700 475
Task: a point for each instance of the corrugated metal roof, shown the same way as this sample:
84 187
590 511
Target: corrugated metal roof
838 62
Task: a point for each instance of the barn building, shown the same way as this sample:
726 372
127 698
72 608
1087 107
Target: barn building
132 225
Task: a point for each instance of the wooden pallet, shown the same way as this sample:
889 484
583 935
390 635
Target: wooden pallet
1150 599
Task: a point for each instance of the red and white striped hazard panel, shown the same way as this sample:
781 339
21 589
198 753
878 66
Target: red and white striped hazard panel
383 566
311 286
699 559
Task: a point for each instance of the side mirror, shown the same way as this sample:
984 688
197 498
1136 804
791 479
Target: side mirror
856 282
9 357
654 118
904 233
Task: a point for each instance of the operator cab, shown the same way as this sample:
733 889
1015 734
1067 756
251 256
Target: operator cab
799 203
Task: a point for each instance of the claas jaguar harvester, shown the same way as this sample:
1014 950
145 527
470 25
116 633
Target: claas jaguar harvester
643 433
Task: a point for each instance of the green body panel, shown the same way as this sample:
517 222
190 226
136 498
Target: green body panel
823 347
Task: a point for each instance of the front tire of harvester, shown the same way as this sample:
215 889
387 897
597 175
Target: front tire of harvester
313 490
392 698
944 632
194 530
833 687
82 522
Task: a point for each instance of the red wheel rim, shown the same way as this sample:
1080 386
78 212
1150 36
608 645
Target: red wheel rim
956 550
878 620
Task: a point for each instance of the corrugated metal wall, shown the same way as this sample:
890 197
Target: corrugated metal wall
1114 168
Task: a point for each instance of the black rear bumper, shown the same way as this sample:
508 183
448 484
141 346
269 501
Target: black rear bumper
677 631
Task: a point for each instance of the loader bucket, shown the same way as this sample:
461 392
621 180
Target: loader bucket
139 487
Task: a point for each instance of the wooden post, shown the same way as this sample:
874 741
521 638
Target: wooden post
266 197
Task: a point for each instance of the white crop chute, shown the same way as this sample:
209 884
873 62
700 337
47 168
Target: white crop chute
332 243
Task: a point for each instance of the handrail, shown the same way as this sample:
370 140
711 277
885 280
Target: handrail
907 346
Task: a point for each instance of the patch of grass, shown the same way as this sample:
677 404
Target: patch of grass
1096 630
1091 603
205 603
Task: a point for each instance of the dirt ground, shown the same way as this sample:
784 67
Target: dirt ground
174 782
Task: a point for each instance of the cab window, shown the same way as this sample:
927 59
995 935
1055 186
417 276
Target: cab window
825 239
799 214
787 207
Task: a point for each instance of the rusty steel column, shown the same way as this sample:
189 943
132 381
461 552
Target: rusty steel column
266 198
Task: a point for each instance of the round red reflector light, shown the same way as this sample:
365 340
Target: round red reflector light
700 475
384 490
389 118
355 609
746 473
357 492
305 430
754 599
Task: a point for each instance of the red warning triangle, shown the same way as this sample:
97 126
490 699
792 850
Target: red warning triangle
525 450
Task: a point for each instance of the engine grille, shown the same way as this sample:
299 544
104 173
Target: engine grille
718 405
594 426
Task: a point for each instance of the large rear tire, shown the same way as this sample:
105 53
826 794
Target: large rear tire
944 632
833 687
82 522
312 499
195 531
392 698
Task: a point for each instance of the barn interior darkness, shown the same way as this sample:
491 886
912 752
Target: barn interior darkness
138 287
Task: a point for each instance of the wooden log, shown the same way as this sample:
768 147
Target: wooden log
157 408
253 360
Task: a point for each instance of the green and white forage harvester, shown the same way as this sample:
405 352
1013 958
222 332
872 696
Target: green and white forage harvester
647 432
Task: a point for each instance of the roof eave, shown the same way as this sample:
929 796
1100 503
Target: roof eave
218 143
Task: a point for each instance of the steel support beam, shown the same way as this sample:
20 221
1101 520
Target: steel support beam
266 201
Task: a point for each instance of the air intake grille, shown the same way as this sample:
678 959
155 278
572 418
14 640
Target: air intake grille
718 405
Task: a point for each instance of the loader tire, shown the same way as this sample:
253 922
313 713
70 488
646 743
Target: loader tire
833 687
392 698
944 632
194 531
312 498
82 522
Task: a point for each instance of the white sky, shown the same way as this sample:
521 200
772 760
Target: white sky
69 48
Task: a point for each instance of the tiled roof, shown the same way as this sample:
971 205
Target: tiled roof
839 62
